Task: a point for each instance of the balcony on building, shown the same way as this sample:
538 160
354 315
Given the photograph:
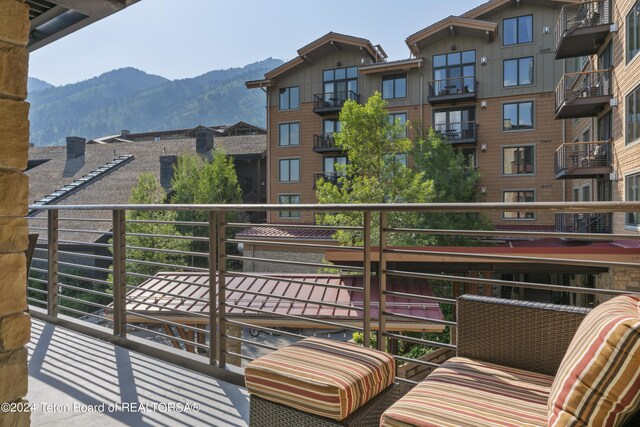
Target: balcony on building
453 90
582 28
332 102
458 133
584 222
332 177
583 94
583 160
325 143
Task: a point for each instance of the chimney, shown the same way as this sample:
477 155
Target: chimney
204 142
124 134
75 147
166 171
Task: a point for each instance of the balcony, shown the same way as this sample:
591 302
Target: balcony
583 160
582 28
325 143
181 337
452 90
332 177
458 133
332 102
584 222
583 94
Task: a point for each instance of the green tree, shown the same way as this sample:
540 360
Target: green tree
143 234
376 171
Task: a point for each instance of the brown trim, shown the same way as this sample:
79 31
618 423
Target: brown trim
455 21
384 67
491 5
257 84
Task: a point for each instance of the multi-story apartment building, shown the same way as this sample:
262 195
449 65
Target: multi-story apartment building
484 80
599 96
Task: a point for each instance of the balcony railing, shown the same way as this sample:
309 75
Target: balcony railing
583 94
204 284
457 133
324 143
332 102
584 222
582 28
583 160
452 89
332 177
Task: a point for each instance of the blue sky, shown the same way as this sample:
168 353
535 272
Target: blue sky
185 38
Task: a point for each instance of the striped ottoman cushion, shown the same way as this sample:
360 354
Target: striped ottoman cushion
466 392
322 377
598 381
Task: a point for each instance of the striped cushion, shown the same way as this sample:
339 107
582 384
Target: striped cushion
598 381
466 392
322 377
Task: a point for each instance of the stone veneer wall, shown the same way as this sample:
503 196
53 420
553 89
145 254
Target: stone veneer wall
14 190
620 279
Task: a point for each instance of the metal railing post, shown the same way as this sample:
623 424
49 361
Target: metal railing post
52 263
119 273
221 333
382 281
213 266
366 316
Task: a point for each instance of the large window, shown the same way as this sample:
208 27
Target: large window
289 170
517 30
289 134
394 86
519 196
633 32
518 72
632 189
290 98
331 125
289 199
400 118
340 84
454 73
604 127
518 160
329 164
458 123
517 116
633 115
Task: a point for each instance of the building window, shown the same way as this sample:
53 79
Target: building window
289 134
290 98
399 118
394 86
519 196
453 124
289 199
329 164
454 73
604 127
517 30
633 32
331 125
289 170
517 116
518 72
633 115
518 160
632 189
340 84
470 156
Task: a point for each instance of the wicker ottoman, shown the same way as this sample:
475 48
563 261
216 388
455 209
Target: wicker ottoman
317 382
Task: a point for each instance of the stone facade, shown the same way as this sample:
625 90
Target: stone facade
14 189
621 279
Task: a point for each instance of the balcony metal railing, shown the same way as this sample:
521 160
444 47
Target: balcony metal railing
332 177
584 222
329 102
457 132
149 279
324 142
453 88
583 158
584 22
586 92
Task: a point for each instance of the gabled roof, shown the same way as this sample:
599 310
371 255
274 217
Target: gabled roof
305 53
494 5
383 67
452 24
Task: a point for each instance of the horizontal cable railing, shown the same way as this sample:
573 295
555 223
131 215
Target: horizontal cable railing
583 85
457 130
453 86
333 100
325 142
583 15
583 155
230 291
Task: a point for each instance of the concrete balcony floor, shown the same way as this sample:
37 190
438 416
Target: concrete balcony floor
70 373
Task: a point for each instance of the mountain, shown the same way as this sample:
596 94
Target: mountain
131 99
34 85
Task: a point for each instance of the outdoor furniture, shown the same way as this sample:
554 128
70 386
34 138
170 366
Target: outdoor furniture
532 364
319 382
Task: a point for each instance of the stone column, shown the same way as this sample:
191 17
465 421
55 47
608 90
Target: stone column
14 191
